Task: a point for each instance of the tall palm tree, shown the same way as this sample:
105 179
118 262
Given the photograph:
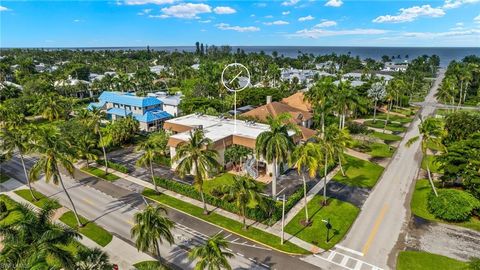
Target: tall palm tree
339 140
246 193
346 100
34 238
52 107
151 148
53 152
18 139
92 259
326 148
151 228
276 144
320 96
196 156
212 254
431 133
93 120
305 159
86 148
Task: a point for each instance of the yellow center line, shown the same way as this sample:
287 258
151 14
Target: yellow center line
88 201
376 225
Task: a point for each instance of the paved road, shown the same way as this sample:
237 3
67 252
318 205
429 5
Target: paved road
113 207
385 215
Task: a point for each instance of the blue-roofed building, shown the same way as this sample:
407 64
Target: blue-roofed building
147 110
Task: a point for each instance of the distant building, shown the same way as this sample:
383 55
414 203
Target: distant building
40 67
195 66
157 69
147 110
303 75
171 103
392 66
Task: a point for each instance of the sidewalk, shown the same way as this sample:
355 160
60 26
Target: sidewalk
120 252
383 162
275 230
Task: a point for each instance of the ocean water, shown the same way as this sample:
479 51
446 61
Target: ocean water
446 54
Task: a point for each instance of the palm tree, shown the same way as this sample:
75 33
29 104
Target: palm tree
52 106
86 148
151 148
431 133
346 100
151 228
18 139
212 254
53 152
377 93
33 239
276 144
92 259
327 151
246 193
305 159
93 120
320 96
339 139
196 155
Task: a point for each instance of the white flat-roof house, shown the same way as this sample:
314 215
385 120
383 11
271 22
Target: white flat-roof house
391 66
224 133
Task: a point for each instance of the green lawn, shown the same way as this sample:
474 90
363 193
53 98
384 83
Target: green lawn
148 265
390 126
374 149
432 163
42 199
223 222
386 137
100 173
225 179
3 177
90 229
419 206
359 173
13 215
407 111
416 260
341 215
392 117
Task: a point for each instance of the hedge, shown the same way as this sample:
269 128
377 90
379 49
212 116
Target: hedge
112 165
452 204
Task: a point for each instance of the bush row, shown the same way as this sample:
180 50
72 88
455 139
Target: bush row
118 167
452 205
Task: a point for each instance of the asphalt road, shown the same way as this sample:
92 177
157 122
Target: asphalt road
113 208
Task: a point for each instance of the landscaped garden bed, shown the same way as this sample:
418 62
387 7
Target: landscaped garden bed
225 223
341 215
91 230
417 260
360 173
100 173
41 199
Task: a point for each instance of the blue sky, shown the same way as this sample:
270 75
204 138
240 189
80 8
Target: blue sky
285 22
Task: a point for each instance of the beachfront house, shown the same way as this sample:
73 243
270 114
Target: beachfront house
148 111
171 103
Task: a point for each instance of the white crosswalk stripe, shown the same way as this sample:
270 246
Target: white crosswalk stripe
345 261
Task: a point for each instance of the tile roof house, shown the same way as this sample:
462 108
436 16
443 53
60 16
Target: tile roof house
147 110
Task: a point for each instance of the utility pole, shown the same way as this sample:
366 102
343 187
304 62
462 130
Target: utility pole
283 219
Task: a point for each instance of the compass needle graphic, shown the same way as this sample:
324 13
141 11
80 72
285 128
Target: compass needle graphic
229 83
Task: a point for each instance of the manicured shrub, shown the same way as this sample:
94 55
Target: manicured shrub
3 207
357 128
118 167
452 204
474 264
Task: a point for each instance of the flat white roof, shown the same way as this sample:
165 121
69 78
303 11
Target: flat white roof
216 128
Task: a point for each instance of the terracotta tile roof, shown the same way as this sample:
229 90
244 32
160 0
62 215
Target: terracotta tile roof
307 133
297 101
276 108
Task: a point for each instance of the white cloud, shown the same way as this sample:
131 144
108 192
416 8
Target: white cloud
326 23
205 21
334 3
306 18
410 14
459 24
280 22
316 33
477 19
457 3
226 26
286 12
144 2
290 2
145 12
2 8
78 21
268 16
224 10
186 11
163 16
431 35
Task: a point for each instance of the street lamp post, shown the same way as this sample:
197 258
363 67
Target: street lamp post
328 225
